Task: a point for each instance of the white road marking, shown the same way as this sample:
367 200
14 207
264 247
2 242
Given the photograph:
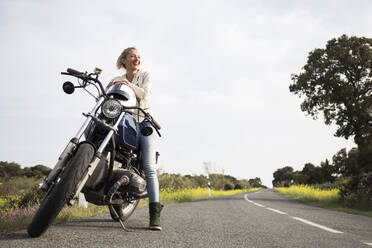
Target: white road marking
257 204
246 198
316 225
276 211
297 218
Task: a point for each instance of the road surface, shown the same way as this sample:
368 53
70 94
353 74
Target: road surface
256 219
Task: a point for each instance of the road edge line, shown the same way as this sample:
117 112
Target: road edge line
316 225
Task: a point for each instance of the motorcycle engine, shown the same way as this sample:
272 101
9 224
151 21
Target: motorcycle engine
136 186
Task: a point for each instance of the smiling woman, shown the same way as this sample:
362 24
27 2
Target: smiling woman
140 83
130 54
136 79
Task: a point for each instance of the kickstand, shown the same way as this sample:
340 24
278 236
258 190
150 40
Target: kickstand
120 221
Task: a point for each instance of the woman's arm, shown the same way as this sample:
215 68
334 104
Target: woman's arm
116 80
119 81
143 91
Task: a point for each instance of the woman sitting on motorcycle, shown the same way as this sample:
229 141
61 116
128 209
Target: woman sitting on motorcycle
140 82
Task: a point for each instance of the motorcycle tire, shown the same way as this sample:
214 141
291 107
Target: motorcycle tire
124 210
63 191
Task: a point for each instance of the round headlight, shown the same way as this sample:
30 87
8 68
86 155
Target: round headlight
111 108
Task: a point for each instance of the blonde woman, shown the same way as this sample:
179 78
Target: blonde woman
139 81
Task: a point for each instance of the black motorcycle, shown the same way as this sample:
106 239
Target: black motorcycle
103 160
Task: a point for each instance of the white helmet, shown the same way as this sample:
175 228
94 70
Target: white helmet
123 93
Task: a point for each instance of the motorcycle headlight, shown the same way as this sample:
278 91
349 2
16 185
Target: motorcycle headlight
111 108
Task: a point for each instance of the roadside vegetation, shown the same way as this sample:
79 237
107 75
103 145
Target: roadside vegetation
187 195
336 85
19 218
315 196
20 194
325 185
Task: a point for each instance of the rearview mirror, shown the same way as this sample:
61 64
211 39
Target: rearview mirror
68 87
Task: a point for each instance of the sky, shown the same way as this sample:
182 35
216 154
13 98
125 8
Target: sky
220 72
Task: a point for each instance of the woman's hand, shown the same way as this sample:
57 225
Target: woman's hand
119 82
112 83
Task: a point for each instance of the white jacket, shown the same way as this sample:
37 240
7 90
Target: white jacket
141 85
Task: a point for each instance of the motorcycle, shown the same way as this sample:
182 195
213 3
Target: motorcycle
103 159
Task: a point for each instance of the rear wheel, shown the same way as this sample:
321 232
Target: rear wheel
124 210
63 191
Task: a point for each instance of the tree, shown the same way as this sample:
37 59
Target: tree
283 176
337 82
11 169
346 163
313 173
200 181
44 170
255 182
242 184
327 170
299 178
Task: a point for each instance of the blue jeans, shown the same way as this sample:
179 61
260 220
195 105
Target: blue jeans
148 164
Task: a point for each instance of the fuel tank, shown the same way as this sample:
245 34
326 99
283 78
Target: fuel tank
128 132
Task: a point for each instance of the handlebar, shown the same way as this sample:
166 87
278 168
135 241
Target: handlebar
151 119
156 124
88 77
73 71
85 77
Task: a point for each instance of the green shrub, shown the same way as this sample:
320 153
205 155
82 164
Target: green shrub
31 198
356 194
27 199
17 185
9 202
228 186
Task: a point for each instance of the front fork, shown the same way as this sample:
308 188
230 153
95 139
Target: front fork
97 157
67 152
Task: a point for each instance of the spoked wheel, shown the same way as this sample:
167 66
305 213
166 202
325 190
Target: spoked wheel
54 201
124 210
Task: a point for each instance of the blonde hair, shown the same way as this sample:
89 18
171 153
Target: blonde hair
119 63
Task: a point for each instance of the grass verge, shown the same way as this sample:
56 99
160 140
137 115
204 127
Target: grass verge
167 196
16 219
187 195
317 197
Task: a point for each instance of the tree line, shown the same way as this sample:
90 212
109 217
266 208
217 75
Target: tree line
216 181
339 173
334 173
336 83
11 169
310 175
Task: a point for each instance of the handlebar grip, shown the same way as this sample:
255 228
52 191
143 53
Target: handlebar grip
156 124
73 71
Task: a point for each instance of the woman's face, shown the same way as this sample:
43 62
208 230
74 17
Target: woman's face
132 61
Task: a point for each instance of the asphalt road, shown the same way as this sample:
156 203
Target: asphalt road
257 219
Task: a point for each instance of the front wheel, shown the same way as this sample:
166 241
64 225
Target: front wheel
124 210
63 191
